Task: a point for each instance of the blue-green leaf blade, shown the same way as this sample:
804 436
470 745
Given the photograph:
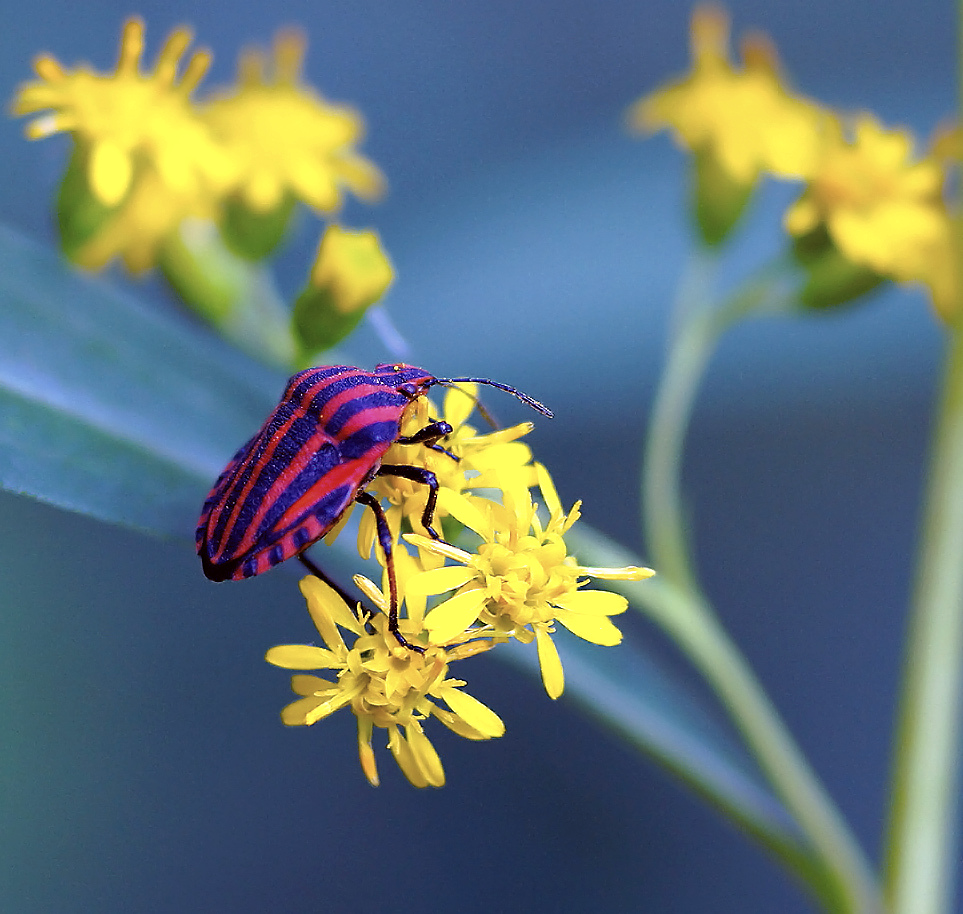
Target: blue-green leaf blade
110 407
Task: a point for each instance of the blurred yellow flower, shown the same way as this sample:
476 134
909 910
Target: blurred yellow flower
882 207
352 267
520 580
384 684
146 157
351 273
745 118
286 139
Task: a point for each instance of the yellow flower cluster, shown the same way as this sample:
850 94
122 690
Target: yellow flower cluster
509 577
877 204
744 116
147 157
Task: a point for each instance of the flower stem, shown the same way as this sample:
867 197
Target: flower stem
850 883
693 340
921 857
843 880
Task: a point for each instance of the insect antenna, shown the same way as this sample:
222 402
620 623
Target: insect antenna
525 398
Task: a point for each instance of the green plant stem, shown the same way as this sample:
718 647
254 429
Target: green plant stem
844 881
850 884
236 296
693 340
921 858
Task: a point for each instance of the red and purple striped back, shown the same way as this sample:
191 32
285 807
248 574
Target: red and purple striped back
293 480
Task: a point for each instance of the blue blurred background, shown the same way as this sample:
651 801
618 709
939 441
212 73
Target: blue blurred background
142 763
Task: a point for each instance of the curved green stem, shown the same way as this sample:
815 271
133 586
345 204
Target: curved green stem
844 880
691 346
921 858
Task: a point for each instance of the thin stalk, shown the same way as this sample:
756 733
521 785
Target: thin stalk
921 858
844 881
692 342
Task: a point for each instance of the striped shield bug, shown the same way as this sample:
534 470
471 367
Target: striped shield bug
311 460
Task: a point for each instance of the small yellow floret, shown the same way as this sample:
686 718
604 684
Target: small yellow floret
520 580
352 267
385 685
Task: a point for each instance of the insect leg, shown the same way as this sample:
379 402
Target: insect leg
426 477
340 591
430 436
384 538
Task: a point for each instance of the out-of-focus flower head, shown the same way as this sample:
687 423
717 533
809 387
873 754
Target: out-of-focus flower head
881 206
745 117
351 273
142 160
386 685
287 141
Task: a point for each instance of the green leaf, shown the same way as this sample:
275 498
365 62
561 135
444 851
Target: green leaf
112 408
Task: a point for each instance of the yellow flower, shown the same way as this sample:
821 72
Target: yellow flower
520 580
351 273
745 117
138 140
353 267
473 461
286 139
882 208
384 684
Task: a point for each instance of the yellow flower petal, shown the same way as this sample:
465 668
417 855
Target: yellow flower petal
305 684
309 710
449 619
406 758
593 602
459 403
463 510
553 676
440 580
424 752
597 629
300 657
327 611
366 753
438 547
473 712
111 172
547 487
